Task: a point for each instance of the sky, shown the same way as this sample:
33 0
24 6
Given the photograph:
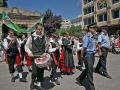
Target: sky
68 9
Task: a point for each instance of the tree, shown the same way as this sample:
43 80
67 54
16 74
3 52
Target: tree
51 22
74 31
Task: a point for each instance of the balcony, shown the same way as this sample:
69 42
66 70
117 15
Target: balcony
104 23
115 21
116 5
101 10
88 4
88 15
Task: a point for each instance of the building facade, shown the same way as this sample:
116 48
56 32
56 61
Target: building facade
21 16
77 21
66 24
101 12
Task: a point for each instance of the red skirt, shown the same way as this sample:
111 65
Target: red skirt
18 60
62 62
28 60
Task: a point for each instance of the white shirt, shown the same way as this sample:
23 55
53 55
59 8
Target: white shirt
28 45
50 46
5 43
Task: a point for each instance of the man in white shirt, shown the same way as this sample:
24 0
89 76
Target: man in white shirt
12 48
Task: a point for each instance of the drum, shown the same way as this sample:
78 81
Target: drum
42 62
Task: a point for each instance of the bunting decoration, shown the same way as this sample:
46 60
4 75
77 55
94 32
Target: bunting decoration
8 22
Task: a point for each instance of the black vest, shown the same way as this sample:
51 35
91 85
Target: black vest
38 45
57 52
13 49
23 47
53 44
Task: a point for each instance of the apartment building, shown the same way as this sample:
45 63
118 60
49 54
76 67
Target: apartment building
102 12
66 24
77 21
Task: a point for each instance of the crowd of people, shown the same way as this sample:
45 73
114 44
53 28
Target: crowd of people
29 51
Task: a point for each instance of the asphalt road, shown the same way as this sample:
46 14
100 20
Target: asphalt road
67 82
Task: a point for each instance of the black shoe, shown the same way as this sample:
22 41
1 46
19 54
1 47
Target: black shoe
32 86
30 70
79 68
105 75
52 79
57 82
22 80
13 79
79 82
96 71
108 76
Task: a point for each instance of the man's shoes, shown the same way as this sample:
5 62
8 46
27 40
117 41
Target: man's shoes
108 76
105 75
79 82
57 82
52 79
79 68
13 79
22 80
30 70
32 86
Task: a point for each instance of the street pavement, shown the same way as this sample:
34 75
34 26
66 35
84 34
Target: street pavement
67 82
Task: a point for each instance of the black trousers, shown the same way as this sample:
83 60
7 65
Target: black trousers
23 55
11 63
37 73
54 68
88 72
101 66
80 61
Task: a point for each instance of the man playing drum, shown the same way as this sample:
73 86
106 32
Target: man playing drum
36 45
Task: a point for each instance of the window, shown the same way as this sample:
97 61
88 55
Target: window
92 8
101 4
116 13
87 1
88 10
115 1
102 17
88 21
85 21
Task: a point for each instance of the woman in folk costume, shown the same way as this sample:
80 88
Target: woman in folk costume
55 54
66 59
12 49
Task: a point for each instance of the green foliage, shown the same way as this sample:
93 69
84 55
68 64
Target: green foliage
74 31
51 22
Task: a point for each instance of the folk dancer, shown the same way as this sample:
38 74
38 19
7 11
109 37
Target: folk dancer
36 45
12 48
55 54
66 59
